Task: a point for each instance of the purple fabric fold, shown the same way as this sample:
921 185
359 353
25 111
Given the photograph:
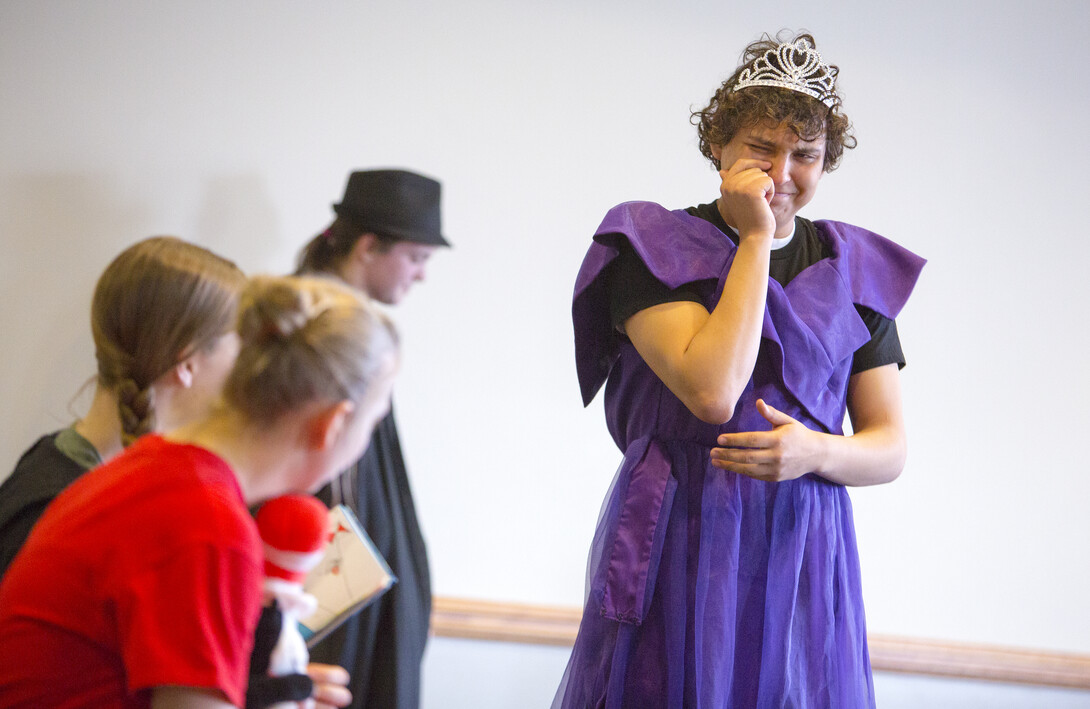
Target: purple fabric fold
645 485
692 252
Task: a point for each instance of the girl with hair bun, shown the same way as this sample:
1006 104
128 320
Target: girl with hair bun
162 317
141 584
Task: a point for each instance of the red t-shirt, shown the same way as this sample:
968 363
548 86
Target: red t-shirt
145 572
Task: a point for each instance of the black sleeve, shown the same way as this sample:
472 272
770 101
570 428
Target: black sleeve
884 346
633 288
14 533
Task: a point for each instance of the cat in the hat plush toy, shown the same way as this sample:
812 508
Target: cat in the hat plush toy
295 531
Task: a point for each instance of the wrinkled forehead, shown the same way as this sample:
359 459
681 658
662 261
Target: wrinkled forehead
781 135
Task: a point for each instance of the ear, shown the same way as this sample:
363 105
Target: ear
326 426
363 249
717 150
182 373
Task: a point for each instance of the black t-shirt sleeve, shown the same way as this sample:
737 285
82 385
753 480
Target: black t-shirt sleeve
633 288
884 346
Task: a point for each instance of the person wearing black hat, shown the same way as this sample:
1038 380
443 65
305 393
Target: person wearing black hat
387 227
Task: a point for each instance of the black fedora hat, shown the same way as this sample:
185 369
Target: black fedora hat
394 203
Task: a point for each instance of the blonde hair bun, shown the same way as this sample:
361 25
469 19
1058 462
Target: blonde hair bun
302 339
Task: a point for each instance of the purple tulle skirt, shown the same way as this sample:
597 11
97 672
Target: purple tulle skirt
708 589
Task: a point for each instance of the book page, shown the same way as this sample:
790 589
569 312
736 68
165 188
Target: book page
350 575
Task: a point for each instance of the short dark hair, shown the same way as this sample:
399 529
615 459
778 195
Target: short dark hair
729 111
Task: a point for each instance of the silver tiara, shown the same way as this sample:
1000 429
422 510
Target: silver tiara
796 66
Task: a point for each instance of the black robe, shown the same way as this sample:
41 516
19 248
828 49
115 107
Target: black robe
382 646
41 474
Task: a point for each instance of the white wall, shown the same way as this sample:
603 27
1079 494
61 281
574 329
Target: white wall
234 124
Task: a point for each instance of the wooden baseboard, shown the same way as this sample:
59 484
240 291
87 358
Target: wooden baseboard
548 625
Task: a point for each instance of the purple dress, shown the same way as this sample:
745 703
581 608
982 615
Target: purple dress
708 589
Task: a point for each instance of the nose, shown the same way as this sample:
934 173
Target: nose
780 169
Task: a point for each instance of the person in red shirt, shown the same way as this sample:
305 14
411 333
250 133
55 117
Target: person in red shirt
141 584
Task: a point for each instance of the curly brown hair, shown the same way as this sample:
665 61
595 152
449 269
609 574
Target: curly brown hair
729 111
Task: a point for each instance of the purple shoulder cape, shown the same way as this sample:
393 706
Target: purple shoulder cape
865 268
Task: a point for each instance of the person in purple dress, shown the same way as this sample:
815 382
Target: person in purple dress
732 339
